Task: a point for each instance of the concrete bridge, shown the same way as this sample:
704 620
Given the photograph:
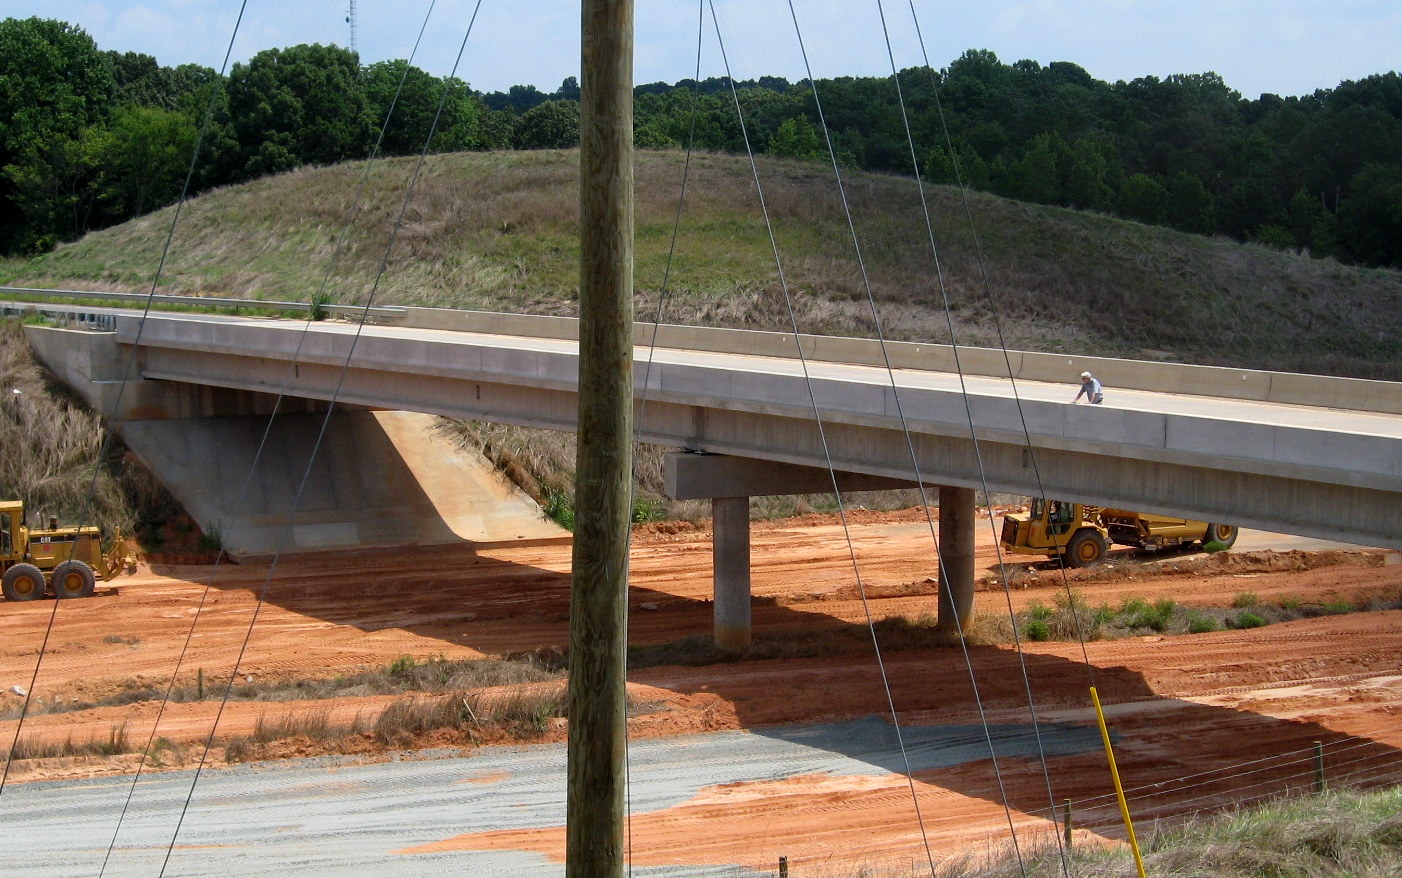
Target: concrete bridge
1301 454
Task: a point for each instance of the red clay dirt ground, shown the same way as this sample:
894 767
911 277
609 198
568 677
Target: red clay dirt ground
1235 712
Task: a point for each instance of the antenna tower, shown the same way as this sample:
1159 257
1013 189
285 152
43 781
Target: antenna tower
350 20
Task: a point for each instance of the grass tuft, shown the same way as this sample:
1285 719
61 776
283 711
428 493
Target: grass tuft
1036 630
1202 625
114 744
1245 620
520 713
405 674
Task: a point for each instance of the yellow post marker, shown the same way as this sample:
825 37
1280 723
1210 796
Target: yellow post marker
1119 789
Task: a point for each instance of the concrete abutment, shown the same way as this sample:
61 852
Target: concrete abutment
378 478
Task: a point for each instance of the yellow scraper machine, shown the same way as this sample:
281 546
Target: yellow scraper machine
1082 534
62 561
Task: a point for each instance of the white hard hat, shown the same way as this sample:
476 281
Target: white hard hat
1085 374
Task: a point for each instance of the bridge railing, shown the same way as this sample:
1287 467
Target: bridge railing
1349 394
376 313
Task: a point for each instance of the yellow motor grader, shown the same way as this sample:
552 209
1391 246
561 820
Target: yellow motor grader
1083 534
65 561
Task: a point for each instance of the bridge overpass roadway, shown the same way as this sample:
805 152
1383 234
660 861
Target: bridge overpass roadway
1308 455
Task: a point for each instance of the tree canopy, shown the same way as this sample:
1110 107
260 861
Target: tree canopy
95 137
54 85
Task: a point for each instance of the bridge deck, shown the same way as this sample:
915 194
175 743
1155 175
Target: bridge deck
1333 473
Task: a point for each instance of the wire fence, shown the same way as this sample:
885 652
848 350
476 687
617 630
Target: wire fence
1354 763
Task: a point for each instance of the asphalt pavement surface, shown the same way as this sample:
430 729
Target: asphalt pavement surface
328 816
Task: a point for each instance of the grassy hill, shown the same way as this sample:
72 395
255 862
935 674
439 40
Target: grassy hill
497 231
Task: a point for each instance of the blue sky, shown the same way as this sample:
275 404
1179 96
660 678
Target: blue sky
1287 47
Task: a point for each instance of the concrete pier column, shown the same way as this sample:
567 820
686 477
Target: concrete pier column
729 482
730 559
956 597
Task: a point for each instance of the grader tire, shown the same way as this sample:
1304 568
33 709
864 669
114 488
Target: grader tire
1086 549
1220 533
23 582
73 579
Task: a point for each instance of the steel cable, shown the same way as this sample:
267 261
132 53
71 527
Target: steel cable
113 418
652 350
808 385
973 435
345 367
246 487
822 432
1003 346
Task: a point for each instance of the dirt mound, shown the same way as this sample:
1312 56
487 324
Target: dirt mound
658 531
927 587
1276 562
1048 573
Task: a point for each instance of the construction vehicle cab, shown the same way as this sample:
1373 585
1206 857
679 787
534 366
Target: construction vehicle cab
1082 534
64 561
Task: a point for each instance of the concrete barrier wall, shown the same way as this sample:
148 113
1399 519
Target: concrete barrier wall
1351 394
94 365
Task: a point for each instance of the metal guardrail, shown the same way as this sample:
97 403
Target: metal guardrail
349 312
89 320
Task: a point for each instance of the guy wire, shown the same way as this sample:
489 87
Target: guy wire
1002 343
905 430
337 250
647 368
112 419
973 435
345 367
822 434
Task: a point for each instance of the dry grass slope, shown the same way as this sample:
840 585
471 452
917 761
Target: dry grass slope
498 231
49 449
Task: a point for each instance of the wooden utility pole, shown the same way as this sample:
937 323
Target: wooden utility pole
604 462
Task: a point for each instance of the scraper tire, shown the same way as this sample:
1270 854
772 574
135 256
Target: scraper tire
1086 549
1220 533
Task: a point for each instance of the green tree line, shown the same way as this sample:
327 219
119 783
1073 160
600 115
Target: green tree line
90 138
